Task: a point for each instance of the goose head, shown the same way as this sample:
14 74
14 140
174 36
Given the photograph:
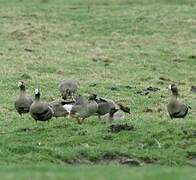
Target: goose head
112 111
124 108
173 89
21 85
37 93
92 97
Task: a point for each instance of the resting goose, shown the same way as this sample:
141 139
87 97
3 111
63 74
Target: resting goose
113 115
176 108
40 110
67 88
23 100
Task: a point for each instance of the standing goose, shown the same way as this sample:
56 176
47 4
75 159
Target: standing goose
67 88
176 108
83 108
23 100
40 110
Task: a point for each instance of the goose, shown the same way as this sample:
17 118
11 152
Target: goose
23 100
40 110
67 88
61 108
83 108
113 115
176 108
105 105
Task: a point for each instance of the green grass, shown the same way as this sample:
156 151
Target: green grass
97 172
144 43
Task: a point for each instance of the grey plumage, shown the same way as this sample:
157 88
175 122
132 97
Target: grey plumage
60 108
84 108
113 115
106 105
176 108
67 88
40 110
23 100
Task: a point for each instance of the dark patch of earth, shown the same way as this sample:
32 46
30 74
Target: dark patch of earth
148 90
115 128
147 110
110 159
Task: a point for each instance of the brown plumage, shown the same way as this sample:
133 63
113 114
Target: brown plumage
176 108
40 110
23 100
68 88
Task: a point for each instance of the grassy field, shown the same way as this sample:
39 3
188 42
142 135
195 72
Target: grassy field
115 48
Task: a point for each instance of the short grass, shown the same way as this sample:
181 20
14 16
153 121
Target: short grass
96 172
114 48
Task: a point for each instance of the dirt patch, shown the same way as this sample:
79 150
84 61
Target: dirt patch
113 88
123 160
178 60
164 78
93 85
112 159
28 50
147 110
120 87
148 90
192 57
25 130
148 160
115 128
129 87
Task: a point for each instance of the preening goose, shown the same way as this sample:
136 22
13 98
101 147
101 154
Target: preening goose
67 88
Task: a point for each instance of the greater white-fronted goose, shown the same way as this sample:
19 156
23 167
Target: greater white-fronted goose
40 110
105 105
23 100
113 115
176 108
67 88
61 108
83 108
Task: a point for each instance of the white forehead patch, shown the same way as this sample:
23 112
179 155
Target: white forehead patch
170 86
19 83
37 91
